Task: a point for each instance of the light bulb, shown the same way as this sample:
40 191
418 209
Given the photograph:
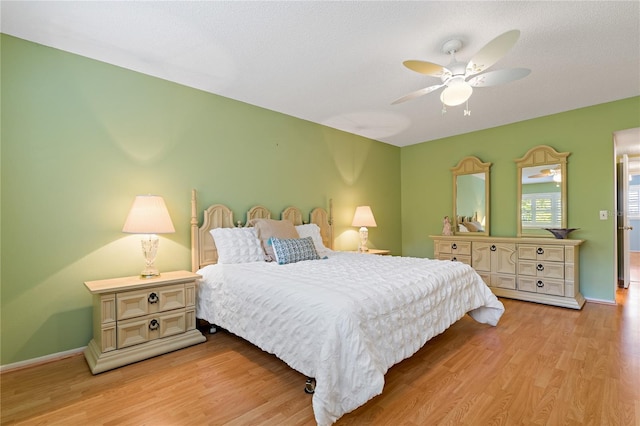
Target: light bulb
457 92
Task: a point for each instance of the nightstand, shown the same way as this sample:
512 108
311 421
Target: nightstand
376 251
137 318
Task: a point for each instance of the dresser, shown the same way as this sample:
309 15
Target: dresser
137 318
542 270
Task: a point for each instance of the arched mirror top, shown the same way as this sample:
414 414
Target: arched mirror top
471 197
542 191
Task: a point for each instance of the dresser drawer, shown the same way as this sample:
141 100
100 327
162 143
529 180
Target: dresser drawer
140 330
133 304
454 247
541 269
541 252
456 258
541 285
504 281
501 281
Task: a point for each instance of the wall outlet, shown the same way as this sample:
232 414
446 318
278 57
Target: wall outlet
604 214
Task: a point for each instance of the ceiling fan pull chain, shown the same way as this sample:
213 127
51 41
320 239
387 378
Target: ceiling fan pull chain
444 109
467 111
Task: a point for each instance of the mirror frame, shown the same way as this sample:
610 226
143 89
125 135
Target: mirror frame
539 156
468 166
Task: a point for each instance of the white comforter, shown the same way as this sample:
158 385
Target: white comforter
346 319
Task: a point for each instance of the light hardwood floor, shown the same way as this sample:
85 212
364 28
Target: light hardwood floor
541 365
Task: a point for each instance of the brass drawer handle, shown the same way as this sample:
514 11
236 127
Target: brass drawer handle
540 267
153 298
540 284
540 250
493 248
454 246
454 259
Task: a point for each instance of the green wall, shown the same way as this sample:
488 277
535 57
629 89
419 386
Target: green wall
586 133
81 138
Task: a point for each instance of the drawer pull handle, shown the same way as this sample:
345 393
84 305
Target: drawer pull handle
153 298
540 250
153 325
453 259
493 248
540 267
540 284
454 246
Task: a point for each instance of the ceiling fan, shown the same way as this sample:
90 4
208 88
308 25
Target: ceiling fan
547 173
460 78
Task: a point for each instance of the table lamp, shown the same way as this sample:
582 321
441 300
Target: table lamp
149 216
363 218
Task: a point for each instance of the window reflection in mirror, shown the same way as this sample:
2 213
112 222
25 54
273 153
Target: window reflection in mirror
541 197
542 191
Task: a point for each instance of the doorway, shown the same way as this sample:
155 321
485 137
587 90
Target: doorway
634 219
627 155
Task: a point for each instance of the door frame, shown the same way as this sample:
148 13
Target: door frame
624 142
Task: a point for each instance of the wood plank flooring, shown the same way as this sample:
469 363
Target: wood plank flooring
541 365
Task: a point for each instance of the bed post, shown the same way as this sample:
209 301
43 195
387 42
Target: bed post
331 222
195 255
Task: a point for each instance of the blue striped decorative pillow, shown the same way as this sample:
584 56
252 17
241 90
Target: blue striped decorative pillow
293 250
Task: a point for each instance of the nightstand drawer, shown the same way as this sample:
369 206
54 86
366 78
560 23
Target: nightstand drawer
140 330
132 304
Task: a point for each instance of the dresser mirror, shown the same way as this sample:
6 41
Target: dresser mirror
542 191
471 197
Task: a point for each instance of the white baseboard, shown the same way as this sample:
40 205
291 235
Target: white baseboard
41 360
601 301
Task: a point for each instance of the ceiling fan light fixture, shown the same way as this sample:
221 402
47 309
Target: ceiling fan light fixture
457 92
462 77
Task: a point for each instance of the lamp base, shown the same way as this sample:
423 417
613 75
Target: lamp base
150 250
364 237
149 272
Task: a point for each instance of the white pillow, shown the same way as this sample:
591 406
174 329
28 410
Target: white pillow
237 245
312 230
462 228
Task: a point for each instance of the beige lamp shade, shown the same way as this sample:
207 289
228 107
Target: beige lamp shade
148 215
364 217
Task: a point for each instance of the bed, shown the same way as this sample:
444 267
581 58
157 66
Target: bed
341 318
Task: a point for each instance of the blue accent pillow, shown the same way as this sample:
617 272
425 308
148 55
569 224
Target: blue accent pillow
293 250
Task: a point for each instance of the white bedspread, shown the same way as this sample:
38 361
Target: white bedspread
346 319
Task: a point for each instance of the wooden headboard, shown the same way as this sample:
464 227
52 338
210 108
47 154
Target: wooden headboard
203 249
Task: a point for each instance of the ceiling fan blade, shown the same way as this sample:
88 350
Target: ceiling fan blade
543 173
495 78
417 93
424 67
492 52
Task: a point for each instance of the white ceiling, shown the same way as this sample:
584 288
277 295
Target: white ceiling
340 63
